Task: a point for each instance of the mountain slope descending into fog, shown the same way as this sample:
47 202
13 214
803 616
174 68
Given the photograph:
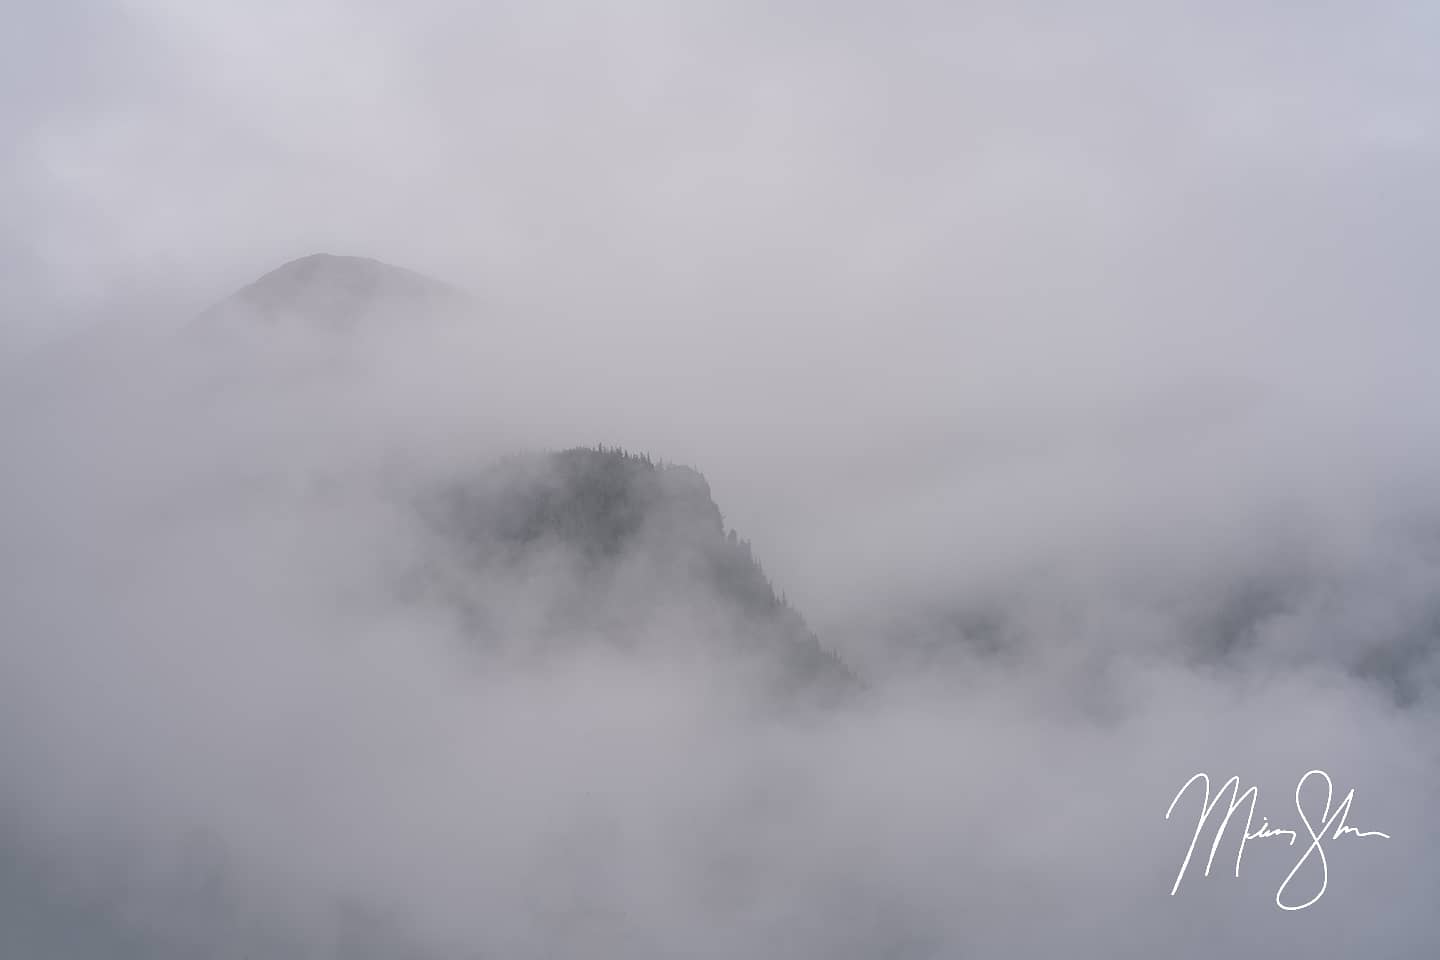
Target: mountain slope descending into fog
629 551
335 292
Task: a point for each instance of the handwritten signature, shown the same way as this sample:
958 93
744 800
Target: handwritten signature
1327 820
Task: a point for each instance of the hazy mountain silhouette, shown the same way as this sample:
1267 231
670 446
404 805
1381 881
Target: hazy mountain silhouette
642 546
335 291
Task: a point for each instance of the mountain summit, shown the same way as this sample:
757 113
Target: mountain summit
631 552
336 291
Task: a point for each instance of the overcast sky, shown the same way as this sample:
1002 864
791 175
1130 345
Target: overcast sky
963 208
994 173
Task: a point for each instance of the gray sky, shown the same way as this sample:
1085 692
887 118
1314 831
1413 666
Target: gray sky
1169 172
968 209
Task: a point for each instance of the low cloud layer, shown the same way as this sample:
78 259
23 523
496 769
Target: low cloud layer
1067 372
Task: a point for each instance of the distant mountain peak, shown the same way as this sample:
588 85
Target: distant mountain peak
332 290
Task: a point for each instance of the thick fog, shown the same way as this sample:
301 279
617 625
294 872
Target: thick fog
1070 372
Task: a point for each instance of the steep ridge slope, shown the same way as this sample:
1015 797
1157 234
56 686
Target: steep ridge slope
631 552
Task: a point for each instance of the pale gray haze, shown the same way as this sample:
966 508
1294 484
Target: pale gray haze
1027 407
